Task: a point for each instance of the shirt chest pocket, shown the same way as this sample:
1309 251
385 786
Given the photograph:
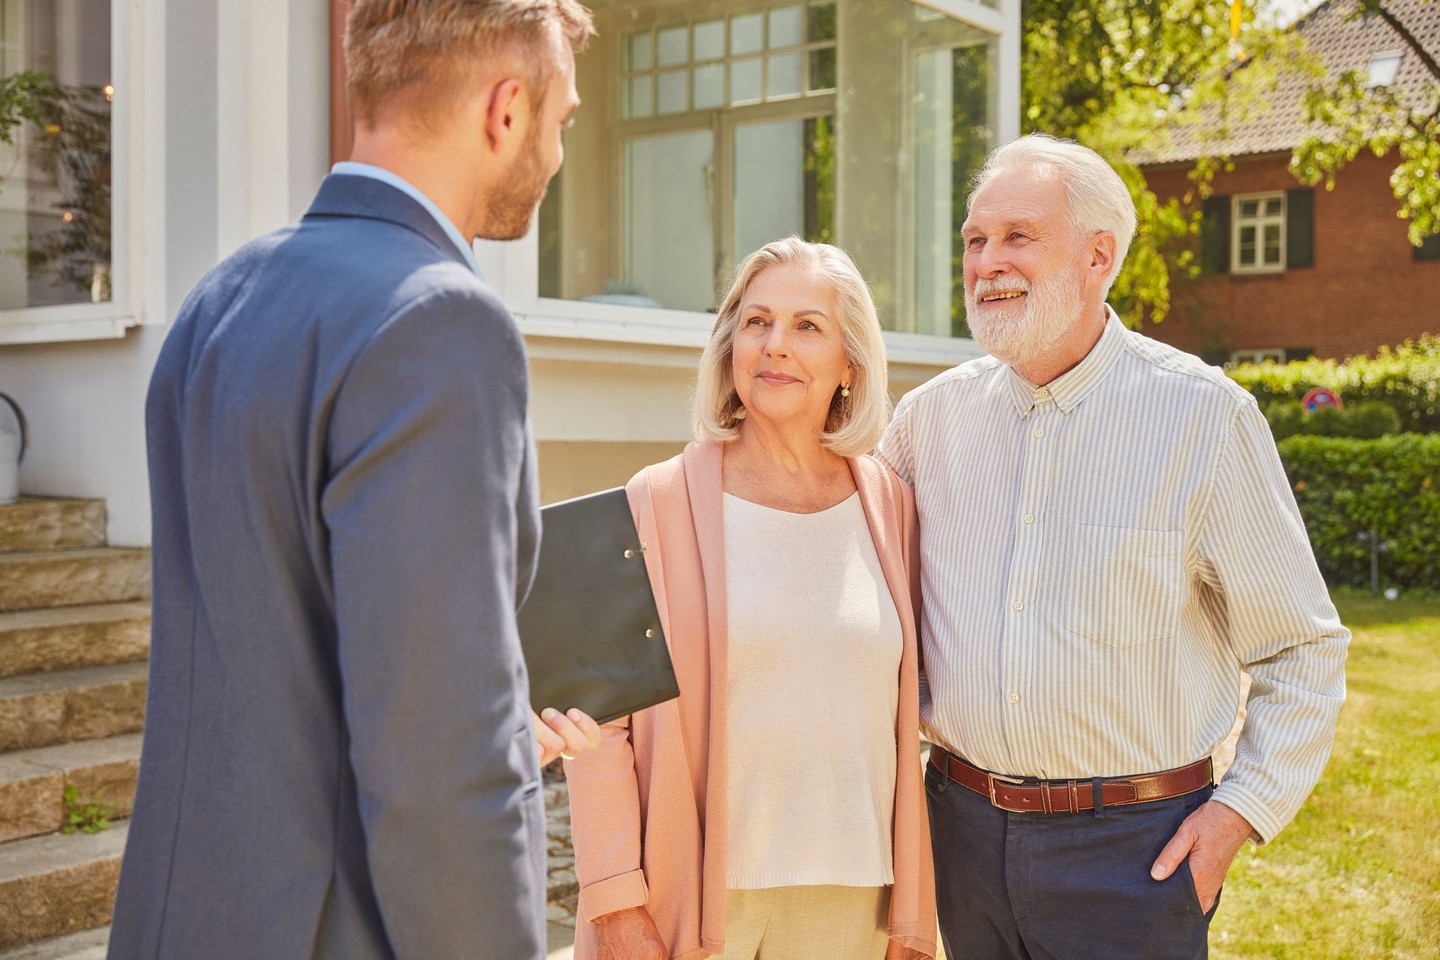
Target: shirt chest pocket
1128 584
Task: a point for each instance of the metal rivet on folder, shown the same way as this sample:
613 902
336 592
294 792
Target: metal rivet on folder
650 634
643 546
629 554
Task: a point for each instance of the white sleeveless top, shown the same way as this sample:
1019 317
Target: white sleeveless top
814 663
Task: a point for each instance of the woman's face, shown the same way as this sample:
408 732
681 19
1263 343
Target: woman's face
789 355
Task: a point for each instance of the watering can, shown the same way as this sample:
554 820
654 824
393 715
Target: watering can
12 451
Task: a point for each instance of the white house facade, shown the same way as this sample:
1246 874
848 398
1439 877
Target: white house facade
167 134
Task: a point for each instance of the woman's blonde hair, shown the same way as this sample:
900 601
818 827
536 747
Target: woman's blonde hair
855 422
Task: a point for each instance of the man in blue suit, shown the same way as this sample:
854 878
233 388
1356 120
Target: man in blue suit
339 759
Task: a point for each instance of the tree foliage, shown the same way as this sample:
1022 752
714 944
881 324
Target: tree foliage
1360 117
1110 74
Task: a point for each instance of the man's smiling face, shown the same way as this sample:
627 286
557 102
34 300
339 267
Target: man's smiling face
1022 265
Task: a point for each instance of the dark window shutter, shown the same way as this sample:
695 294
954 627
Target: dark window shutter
1429 248
1299 228
1215 235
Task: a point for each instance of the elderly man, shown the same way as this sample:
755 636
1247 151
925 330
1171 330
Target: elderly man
1107 541
340 758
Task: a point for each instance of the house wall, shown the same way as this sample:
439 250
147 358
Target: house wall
1364 290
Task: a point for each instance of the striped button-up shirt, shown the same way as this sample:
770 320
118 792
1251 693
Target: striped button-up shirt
1101 557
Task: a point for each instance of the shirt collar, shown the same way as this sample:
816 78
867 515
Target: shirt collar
1073 386
351 168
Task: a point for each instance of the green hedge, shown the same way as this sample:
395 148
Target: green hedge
1359 421
1347 487
1406 378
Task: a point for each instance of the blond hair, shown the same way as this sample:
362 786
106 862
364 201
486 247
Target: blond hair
855 423
391 45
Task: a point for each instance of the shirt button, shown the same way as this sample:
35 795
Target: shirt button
1017 605
1029 518
1014 698
1039 432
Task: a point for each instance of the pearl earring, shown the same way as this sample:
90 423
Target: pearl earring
844 391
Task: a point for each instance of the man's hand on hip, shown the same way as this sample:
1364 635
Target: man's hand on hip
1210 837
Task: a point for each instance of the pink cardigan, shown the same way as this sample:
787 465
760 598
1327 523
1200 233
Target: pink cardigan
648 806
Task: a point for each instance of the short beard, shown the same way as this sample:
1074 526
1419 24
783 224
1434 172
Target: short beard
509 210
1051 308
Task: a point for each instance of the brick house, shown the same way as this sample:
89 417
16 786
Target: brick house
1292 271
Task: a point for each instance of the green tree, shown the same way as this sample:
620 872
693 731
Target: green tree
1359 117
1111 75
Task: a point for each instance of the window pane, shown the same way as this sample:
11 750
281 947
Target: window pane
670 256
1272 207
55 176
783 76
1247 246
673 44
670 93
822 69
745 80
950 121
747 33
769 183
785 26
639 97
709 86
1249 208
638 52
710 40
1272 244
820 23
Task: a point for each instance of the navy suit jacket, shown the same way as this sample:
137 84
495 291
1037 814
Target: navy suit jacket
338 757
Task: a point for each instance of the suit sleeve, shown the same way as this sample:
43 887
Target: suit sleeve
428 447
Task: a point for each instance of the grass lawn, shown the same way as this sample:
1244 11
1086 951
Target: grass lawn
1357 874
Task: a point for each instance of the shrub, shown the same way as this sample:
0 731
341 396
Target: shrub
1361 421
1407 379
1348 487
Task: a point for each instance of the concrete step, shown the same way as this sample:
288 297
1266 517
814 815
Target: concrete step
33 783
44 709
85 945
58 884
63 638
52 523
36 579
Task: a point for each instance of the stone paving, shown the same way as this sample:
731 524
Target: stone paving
562 888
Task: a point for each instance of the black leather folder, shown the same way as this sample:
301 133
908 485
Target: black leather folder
589 627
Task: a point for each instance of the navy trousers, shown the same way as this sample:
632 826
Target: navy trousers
1061 886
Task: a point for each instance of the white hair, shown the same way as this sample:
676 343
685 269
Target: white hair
1099 200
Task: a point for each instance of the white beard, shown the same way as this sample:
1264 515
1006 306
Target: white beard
1021 337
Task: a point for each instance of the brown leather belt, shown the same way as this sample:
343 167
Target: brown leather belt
1015 795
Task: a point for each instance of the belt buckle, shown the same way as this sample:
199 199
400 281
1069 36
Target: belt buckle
990 779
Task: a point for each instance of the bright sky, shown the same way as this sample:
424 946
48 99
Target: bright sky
1288 11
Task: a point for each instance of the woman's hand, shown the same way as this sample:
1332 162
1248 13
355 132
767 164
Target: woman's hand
629 934
564 734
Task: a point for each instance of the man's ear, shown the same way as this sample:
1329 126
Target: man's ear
503 110
1102 253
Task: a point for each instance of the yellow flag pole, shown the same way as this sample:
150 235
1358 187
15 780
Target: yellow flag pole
1236 7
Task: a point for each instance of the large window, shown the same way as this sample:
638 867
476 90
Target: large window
713 126
55 158
1259 233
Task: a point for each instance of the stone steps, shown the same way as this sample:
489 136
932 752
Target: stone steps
85 945
58 884
51 524
36 579
43 709
33 783
64 638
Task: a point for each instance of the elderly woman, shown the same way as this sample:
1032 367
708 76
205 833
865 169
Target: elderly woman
775 808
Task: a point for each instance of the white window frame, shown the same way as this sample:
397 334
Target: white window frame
1259 222
513 268
136 44
1276 354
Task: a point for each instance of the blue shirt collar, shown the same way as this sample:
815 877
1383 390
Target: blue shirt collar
351 168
